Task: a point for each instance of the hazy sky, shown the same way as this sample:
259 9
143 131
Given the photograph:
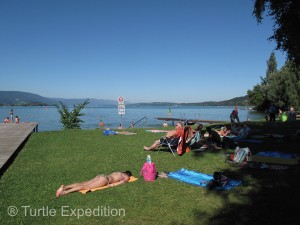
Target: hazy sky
143 50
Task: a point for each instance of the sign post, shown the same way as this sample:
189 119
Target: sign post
121 109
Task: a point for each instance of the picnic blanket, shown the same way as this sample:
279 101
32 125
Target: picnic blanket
200 179
106 186
256 136
275 158
239 139
248 140
279 155
276 135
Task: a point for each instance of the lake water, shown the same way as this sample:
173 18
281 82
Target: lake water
48 117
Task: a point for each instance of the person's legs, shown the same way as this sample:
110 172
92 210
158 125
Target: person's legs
81 183
153 146
94 183
272 117
232 121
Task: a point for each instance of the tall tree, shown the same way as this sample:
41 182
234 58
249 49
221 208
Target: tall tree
271 69
271 66
283 89
70 119
285 14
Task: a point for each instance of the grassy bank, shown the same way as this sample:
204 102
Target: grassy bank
50 159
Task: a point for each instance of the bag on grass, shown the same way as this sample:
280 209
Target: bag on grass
219 180
240 156
148 171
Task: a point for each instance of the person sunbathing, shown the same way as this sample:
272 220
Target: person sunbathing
224 131
113 179
178 132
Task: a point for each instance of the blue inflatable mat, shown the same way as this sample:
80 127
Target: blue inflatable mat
248 140
278 155
238 139
200 179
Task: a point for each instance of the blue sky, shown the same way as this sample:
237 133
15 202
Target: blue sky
143 50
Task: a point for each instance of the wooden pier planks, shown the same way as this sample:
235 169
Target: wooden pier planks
11 137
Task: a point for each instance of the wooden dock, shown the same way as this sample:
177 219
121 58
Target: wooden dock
11 138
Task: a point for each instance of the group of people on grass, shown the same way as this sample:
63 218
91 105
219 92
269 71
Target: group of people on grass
209 138
213 137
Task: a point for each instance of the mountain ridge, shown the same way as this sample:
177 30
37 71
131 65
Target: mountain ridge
30 99
27 98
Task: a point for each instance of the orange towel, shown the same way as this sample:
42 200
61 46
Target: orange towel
106 186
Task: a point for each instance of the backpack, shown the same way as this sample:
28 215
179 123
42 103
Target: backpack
148 171
219 180
240 156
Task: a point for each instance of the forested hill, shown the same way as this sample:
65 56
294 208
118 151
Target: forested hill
29 99
239 101
23 98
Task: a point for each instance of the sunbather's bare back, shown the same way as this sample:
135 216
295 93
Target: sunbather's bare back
117 177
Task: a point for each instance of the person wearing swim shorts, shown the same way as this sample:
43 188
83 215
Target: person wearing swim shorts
176 133
113 179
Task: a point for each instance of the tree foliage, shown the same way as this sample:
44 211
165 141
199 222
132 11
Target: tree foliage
279 87
70 119
285 14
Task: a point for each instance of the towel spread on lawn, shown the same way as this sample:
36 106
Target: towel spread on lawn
106 186
280 158
279 155
200 179
239 139
249 140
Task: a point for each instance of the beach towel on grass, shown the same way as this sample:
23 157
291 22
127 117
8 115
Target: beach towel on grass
279 155
238 139
275 158
106 186
200 179
248 140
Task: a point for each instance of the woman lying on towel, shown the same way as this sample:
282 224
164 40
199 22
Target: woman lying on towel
113 179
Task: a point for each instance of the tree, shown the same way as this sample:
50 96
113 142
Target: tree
259 95
70 119
284 89
285 14
271 67
256 98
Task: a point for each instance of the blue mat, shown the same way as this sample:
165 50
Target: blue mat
248 140
200 179
238 139
279 155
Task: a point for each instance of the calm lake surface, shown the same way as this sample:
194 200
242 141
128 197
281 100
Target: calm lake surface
48 117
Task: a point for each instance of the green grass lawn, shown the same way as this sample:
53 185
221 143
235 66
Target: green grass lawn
50 159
